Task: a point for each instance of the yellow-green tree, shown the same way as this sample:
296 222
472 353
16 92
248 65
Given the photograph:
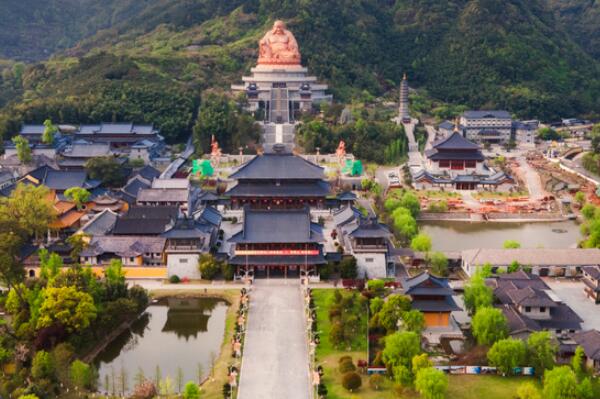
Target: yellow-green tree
68 307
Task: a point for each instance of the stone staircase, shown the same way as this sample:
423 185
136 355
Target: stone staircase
278 133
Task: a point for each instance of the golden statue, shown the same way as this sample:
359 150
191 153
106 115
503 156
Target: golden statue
278 47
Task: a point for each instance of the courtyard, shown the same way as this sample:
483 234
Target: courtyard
571 292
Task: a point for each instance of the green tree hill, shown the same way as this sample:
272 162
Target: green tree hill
145 60
506 354
489 325
23 149
431 383
78 195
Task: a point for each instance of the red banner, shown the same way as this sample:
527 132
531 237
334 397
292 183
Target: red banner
243 252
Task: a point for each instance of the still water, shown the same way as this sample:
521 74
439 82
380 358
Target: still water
456 236
173 334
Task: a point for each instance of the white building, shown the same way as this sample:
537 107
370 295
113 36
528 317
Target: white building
492 127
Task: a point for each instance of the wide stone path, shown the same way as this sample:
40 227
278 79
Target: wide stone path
275 362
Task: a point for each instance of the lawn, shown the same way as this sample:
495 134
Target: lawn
484 386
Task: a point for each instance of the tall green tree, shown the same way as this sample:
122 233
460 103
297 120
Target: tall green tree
431 383
106 169
560 383
506 354
541 351
23 149
489 325
49 132
392 310
477 294
400 348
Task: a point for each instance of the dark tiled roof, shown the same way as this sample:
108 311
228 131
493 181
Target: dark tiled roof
445 305
370 228
152 212
278 166
593 271
32 129
139 226
455 142
436 155
209 215
487 114
347 196
134 186
124 246
63 180
313 189
345 215
100 224
426 284
590 342
530 297
148 173
278 226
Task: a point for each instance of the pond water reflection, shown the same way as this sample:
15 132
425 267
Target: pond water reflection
457 236
173 334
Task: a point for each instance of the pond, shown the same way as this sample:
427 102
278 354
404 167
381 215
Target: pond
457 236
174 335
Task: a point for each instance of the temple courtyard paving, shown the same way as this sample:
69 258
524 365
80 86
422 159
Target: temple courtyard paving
275 361
571 293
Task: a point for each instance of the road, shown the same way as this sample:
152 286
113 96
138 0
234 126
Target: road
275 361
532 180
431 136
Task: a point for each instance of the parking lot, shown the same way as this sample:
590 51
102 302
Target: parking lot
571 293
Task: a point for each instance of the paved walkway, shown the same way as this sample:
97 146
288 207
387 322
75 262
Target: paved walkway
275 362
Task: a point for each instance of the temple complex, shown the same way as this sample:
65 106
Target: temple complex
278 180
279 87
457 163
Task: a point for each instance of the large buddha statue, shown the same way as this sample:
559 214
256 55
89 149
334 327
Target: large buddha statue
278 47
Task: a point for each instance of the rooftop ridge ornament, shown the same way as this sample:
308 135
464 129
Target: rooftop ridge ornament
278 47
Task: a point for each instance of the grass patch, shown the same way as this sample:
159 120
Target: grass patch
484 386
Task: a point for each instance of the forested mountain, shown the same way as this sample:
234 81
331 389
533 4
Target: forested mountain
581 18
159 55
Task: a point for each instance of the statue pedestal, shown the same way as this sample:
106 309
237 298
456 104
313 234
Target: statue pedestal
281 90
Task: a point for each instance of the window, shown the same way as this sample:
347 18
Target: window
527 309
183 260
542 309
131 260
369 260
444 164
470 164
